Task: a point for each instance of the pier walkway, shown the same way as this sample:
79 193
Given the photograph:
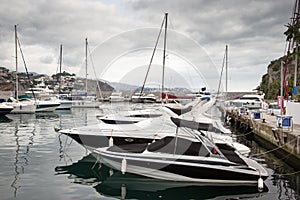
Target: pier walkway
284 141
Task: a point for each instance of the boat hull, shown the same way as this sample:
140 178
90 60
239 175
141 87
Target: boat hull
22 108
182 170
45 106
64 105
5 109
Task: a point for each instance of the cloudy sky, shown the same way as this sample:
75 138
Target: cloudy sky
122 35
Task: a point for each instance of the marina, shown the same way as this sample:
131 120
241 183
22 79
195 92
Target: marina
36 159
148 113
283 140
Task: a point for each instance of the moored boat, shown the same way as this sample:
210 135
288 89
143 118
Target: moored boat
44 98
65 103
251 101
143 98
185 160
21 106
116 97
46 106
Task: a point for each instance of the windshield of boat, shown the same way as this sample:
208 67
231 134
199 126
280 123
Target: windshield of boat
250 98
182 146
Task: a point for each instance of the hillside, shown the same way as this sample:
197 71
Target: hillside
69 82
270 83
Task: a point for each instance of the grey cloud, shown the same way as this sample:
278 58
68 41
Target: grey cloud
253 29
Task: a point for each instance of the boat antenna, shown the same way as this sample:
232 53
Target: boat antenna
164 56
152 56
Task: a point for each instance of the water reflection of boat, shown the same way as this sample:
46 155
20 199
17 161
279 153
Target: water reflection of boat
5 119
24 133
137 187
111 183
85 171
46 115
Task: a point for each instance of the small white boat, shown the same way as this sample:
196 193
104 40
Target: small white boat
116 97
46 106
142 98
21 106
130 116
40 92
65 104
44 97
251 101
149 98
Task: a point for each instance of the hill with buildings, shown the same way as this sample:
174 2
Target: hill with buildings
63 82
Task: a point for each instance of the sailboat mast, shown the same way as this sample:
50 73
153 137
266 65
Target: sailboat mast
164 55
16 53
60 62
226 83
86 44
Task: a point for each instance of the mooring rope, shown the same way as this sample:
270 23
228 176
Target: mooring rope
242 135
279 147
287 174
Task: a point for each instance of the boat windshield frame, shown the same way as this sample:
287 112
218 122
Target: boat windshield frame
187 147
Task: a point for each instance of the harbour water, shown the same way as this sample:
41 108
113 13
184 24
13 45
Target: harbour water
38 163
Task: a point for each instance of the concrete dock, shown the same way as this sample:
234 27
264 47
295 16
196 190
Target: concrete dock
283 141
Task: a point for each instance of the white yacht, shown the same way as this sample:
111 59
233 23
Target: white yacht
142 98
251 101
116 97
65 103
45 99
184 159
21 106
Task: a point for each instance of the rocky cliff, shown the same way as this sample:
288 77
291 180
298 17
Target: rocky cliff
270 83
